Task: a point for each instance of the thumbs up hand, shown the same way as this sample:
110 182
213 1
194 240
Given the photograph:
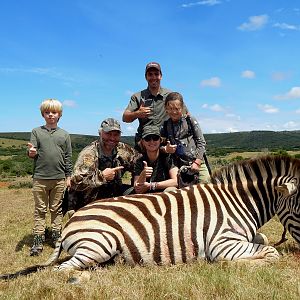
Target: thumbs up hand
170 148
147 170
32 152
141 185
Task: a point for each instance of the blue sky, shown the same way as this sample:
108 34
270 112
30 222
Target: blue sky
236 62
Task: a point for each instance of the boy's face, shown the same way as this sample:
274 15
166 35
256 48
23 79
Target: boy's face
51 117
174 110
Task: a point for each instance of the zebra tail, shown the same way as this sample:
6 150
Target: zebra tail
23 272
29 270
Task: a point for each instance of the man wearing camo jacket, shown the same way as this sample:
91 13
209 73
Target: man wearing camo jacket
100 166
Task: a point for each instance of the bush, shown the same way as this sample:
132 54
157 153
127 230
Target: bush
20 185
16 166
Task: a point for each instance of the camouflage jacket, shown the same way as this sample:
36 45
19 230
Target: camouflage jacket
87 180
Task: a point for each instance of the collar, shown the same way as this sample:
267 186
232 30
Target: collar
161 92
49 129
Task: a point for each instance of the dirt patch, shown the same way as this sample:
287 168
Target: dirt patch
4 184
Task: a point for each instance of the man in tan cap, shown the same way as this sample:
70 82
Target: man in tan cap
100 166
148 106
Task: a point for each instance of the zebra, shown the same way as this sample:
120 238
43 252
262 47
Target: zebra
214 221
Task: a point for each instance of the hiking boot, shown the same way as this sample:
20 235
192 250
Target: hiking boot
55 236
37 246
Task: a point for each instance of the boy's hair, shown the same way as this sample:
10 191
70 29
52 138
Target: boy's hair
172 97
51 105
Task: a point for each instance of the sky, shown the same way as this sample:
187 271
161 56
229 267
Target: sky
236 62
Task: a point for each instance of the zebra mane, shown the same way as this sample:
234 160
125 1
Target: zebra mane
233 170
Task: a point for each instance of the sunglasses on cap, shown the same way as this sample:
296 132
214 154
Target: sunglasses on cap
152 137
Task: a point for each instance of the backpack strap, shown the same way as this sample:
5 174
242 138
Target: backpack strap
191 127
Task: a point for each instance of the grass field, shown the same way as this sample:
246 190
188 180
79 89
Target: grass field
199 280
12 142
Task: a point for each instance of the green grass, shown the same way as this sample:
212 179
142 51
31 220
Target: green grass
199 280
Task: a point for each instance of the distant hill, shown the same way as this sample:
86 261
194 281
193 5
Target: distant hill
255 140
235 141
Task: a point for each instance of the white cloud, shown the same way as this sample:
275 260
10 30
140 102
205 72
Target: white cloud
211 82
290 125
129 93
206 3
267 108
213 107
50 72
232 129
233 116
279 76
293 93
216 107
297 111
255 23
129 130
248 74
286 26
69 103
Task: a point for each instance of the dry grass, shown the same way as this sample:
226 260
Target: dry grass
199 280
12 142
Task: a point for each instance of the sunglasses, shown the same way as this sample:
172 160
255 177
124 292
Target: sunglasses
152 137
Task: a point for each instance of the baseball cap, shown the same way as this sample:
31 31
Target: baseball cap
153 65
110 124
150 130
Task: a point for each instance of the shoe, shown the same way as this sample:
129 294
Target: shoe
55 236
37 246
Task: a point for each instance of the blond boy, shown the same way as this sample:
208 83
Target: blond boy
50 147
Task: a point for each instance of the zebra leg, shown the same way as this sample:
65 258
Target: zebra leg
83 259
253 253
89 252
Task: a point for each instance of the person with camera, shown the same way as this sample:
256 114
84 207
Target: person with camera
184 140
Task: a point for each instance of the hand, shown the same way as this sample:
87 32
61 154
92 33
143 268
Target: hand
196 166
144 111
32 152
147 170
68 182
110 173
141 188
170 148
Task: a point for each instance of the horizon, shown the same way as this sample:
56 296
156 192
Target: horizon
233 61
122 135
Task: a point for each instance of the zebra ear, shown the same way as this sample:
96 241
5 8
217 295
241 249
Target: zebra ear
287 189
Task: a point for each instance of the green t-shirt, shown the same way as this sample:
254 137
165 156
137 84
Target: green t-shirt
54 153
